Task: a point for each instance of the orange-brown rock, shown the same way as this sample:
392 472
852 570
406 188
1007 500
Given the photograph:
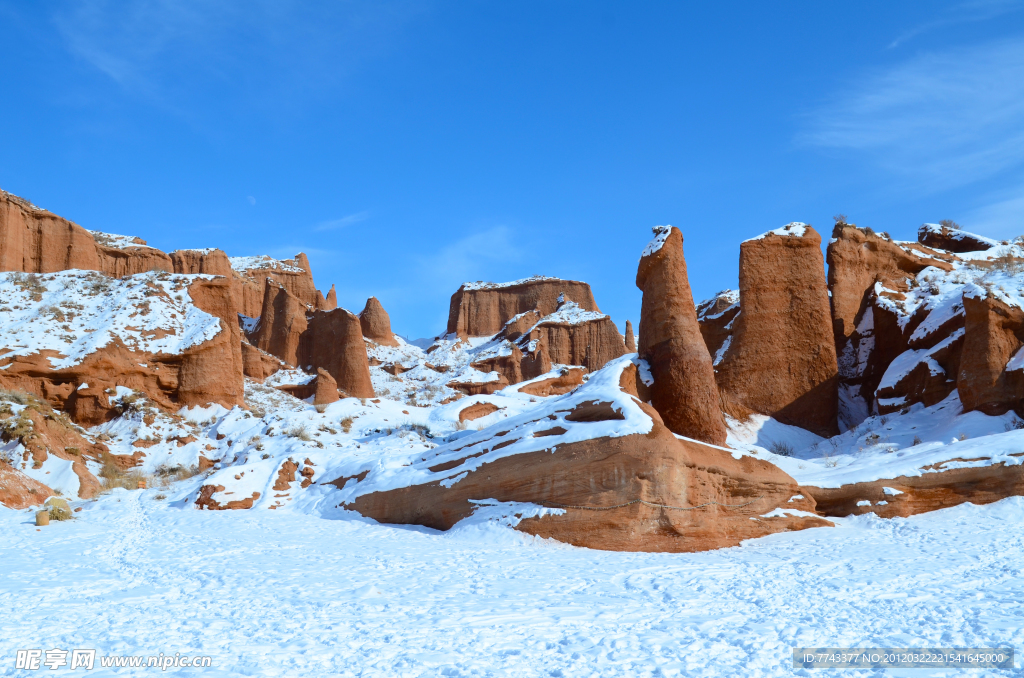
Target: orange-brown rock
589 343
209 262
477 410
482 309
479 387
725 498
206 501
18 491
335 343
993 333
326 388
210 372
331 301
716 316
781 361
923 493
684 390
376 324
292 274
508 365
630 339
258 364
33 240
560 385
282 323
942 237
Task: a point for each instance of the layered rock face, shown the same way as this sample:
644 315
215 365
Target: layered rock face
482 309
716 316
332 340
292 274
692 497
991 375
573 336
684 391
942 237
781 360
140 332
376 323
33 240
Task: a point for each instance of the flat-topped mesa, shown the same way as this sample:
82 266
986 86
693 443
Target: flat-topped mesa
952 239
684 390
481 309
332 340
573 336
781 360
376 323
210 261
293 274
33 240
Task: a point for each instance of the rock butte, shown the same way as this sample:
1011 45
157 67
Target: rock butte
482 309
781 361
376 323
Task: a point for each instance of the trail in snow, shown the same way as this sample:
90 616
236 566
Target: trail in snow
293 594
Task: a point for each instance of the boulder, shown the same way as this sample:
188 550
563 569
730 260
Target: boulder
943 237
482 309
684 391
18 491
630 340
781 361
376 324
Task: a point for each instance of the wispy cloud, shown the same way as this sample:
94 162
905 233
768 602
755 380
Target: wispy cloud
938 120
966 12
1001 215
332 224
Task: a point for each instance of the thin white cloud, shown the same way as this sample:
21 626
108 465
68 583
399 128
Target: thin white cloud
1002 215
938 120
332 224
966 12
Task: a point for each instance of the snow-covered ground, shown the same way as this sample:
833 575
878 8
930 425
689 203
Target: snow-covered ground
280 593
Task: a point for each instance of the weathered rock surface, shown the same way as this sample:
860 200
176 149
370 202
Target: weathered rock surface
292 274
993 334
258 364
18 491
482 309
630 339
326 388
949 239
716 316
335 343
781 361
684 390
721 500
281 326
376 323
568 339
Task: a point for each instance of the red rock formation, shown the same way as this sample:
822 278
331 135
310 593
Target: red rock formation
326 388
952 239
376 324
213 371
630 339
33 240
565 382
335 343
209 262
282 323
332 300
482 309
292 274
684 390
18 491
657 468
257 364
716 317
477 411
920 494
993 334
781 361
590 343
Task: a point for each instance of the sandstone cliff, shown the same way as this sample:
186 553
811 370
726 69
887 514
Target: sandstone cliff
482 309
376 323
781 360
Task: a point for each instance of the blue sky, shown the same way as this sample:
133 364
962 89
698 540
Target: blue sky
409 146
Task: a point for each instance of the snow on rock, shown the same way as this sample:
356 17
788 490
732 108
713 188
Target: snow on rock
794 229
76 313
482 285
119 242
243 264
661 234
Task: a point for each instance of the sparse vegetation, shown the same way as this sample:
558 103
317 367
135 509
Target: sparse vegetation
949 223
321 407
883 420
300 431
917 441
58 509
1015 424
840 220
962 436
781 448
346 424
